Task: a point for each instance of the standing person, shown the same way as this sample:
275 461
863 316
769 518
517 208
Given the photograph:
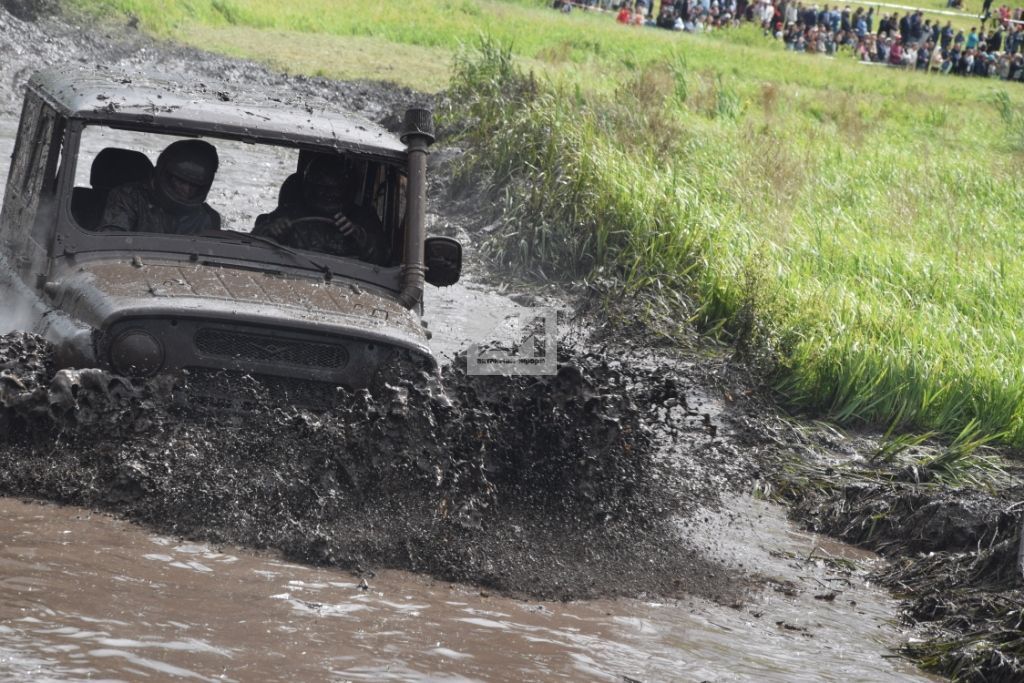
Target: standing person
860 25
792 13
327 219
946 36
1013 40
972 39
916 27
173 201
995 41
810 16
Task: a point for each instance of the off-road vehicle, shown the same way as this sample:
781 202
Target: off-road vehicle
140 303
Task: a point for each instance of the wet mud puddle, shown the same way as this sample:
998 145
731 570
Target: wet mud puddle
87 596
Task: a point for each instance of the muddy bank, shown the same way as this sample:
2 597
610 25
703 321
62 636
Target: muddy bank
955 551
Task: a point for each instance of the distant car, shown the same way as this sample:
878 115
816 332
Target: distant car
142 303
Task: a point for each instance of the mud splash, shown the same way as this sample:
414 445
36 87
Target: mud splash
551 487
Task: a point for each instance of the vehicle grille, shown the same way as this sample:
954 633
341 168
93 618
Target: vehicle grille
242 346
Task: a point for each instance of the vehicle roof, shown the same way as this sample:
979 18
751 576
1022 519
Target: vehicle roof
196 108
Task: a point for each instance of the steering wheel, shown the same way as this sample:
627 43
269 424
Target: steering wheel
318 226
312 219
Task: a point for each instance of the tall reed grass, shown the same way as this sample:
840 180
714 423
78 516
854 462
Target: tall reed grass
880 267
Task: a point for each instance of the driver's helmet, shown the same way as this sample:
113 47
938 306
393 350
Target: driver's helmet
325 183
184 173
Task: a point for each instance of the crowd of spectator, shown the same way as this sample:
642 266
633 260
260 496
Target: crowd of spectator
907 40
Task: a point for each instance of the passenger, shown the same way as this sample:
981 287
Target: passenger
173 201
327 219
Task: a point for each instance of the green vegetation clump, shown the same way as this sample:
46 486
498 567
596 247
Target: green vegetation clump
856 226
872 246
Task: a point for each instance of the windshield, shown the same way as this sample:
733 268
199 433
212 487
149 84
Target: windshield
286 200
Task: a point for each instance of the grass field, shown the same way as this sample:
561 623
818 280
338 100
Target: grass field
854 229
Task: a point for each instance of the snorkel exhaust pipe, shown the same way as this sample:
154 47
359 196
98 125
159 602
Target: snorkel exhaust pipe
417 135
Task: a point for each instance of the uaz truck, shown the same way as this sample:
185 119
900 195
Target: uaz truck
140 303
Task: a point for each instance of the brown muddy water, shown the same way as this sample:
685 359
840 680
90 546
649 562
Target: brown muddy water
86 596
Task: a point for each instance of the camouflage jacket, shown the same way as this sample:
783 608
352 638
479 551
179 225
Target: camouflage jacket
133 208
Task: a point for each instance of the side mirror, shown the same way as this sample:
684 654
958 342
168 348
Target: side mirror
443 259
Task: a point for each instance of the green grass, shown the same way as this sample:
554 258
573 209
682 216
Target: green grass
854 229
435 27
864 233
339 57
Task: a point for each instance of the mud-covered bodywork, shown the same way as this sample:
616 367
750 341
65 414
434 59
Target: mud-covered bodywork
141 303
233 318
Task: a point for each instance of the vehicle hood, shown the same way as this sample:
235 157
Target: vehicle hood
101 293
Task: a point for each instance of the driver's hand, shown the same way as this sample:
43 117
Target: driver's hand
277 228
349 229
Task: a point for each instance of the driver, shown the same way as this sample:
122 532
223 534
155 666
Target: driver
173 201
326 219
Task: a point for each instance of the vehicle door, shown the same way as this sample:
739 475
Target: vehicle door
28 218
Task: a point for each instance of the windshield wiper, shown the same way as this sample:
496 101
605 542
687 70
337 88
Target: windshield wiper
276 246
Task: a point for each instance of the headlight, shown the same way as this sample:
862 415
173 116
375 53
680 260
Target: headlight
136 352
